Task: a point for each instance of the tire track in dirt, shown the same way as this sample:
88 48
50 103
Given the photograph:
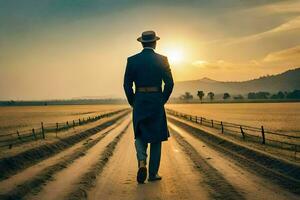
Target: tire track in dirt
87 181
219 187
249 160
28 173
65 180
11 165
34 185
181 179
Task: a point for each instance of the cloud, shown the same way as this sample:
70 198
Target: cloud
222 64
274 62
277 59
290 54
199 63
293 24
208 65
269 20
281 7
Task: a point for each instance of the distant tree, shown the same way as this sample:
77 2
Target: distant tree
186 96
226 96
293 95
274 96
258 95
238 97
211 95
262 95
251 95
286 93
200 94
11 102
280 95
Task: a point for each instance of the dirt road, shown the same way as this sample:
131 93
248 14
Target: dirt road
118 180
182 179
190 168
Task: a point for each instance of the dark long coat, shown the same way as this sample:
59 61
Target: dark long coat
148 69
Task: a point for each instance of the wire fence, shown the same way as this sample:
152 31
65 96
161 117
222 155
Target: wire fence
245 132
37 133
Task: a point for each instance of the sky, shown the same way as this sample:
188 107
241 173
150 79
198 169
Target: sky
63 49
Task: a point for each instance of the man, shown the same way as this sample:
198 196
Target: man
147 70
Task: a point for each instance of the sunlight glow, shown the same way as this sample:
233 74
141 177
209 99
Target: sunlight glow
175 55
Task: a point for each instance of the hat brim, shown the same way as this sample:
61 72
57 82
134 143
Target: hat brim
145 41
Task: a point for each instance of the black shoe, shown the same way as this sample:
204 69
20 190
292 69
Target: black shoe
155 178
141 175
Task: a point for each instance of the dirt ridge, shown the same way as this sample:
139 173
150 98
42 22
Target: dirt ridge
219 187
283 173
88 179
13 164
35 184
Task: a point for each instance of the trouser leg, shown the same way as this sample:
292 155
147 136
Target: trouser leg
141 150
155 152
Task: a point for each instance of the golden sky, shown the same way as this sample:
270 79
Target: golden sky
56 49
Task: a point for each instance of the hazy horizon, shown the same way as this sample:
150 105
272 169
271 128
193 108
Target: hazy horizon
120 96
61 49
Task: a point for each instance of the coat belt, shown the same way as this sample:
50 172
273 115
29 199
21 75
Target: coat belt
148 89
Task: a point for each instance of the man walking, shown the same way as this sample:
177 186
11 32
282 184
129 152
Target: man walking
147 70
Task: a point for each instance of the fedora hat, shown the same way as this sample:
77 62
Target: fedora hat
148 36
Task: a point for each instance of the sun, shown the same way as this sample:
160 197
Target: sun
175 55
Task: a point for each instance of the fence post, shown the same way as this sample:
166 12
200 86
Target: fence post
263 135
222 127
295 152
196 119
201 120
56 129
212 123
242 132
33 133
79 121
67 124
19 137
73 123
43 130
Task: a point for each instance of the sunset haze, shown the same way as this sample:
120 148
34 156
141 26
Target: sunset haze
54 49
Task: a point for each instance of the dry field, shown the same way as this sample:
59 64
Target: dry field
27 117
101 164
277 117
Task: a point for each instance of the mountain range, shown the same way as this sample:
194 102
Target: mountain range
286 81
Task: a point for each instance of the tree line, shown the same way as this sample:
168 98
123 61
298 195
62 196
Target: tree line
251 95
279 95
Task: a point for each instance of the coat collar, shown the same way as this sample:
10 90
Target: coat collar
148 49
